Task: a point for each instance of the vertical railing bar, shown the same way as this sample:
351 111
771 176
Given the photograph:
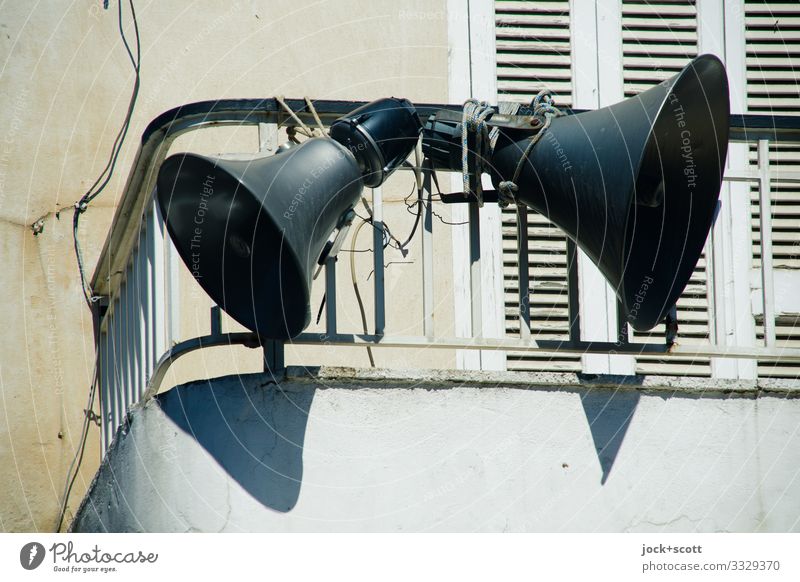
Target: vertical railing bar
573 292
119 351
133 323
718 274
108 377
173 290
141 290
101 388
427 256
523 273
149 248
274 357
475 270
622 325
103 391
133 338
137 327
765 205
330 296
710 289
126 330
159 285
111 375
122 363
216 320
377 255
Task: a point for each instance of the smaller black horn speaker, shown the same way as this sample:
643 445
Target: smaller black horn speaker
251 231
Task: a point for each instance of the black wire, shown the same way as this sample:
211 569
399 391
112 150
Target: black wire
94 190
420 203
384 231
439 194
429 206
400 246
392 240
322 306
78 459
105 176
115 148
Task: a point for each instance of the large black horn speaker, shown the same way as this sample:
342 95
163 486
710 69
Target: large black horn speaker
635 184
251 231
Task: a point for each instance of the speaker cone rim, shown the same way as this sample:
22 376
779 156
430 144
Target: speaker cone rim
716 96
244 315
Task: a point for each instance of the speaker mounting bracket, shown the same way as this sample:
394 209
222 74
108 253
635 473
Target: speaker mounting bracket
463 198
334 244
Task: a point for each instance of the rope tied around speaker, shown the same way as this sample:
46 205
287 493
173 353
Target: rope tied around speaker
302 128
545 111
474 119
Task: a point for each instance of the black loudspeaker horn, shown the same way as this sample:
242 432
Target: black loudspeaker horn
635 184
251 231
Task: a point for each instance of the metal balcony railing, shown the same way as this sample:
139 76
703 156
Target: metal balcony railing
136 277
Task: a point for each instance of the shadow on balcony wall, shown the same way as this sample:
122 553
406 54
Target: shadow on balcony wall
609 414
256 437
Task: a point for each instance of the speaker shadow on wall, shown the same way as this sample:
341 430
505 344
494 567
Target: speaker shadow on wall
609 413
255 433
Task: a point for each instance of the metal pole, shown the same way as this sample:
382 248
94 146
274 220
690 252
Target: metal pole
475 269
765 205
330 296
427 257
573 292
523 277
377 246
274 361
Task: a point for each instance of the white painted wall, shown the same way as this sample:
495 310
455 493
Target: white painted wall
360 451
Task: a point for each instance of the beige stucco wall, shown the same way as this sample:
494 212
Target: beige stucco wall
64 87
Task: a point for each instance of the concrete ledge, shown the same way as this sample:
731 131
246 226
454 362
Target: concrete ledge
442 379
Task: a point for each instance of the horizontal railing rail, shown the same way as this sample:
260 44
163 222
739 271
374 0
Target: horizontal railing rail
164 129
137 272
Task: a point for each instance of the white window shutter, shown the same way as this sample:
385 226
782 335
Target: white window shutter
533 52
772 38
659 38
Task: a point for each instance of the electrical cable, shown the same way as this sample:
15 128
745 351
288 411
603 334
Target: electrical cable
105 176
355 288
80 207
429 205
392 240
77 460
420 188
